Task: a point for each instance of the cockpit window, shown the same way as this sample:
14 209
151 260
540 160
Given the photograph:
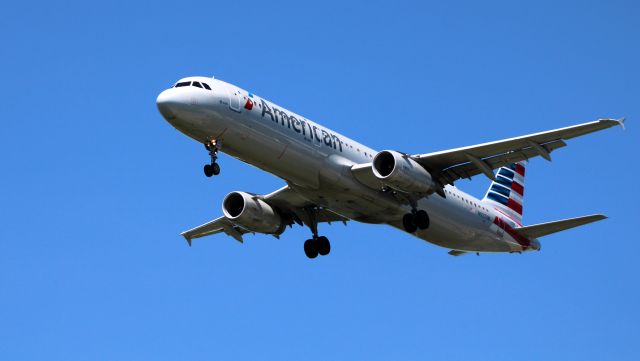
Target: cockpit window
196 84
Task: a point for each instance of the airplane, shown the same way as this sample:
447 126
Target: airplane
332 178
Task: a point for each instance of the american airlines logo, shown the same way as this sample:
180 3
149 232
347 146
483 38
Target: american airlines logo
309 131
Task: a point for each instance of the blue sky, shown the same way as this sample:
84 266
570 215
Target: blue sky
96 186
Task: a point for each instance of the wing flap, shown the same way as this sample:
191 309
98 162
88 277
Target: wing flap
453 164
543 229
468 170
287 200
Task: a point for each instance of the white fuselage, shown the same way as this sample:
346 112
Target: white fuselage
316 162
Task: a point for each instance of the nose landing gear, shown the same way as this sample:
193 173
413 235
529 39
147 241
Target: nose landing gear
212 168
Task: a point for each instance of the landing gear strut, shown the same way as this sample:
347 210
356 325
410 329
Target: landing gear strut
212 168
417 219
317 245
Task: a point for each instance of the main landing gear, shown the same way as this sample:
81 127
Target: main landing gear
417 219
212 168
317 245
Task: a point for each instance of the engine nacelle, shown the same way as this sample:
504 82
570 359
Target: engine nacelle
402 173
251 213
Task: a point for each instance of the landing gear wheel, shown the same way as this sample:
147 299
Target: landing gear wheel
323 245
310 248
215 168
409 223
422 219
208 170
317 245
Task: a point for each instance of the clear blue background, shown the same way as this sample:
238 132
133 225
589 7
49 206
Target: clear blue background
96 186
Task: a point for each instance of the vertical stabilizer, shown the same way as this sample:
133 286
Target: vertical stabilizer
506 193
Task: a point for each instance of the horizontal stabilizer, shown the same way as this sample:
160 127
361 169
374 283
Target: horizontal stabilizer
543 229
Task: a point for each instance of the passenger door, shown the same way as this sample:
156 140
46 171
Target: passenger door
234 98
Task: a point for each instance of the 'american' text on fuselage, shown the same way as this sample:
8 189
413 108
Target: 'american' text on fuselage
301 126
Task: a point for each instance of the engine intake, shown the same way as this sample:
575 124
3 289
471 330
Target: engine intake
252 213
402 173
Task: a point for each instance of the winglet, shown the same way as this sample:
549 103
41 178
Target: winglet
613 122
188 240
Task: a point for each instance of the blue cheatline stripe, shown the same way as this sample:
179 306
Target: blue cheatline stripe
512 166
501 189
497 198
506 172
504 181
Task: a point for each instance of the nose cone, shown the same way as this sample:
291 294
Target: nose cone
166 103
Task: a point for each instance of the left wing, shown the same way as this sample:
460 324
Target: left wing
289 203
450 165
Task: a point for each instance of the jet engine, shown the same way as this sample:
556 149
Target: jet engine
402 173
252 213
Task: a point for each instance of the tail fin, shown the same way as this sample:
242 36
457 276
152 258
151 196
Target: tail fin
507 191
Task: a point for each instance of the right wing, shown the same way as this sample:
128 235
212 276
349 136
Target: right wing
289 203
543 229
218 225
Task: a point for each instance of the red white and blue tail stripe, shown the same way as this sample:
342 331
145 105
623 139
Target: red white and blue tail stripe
506 193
